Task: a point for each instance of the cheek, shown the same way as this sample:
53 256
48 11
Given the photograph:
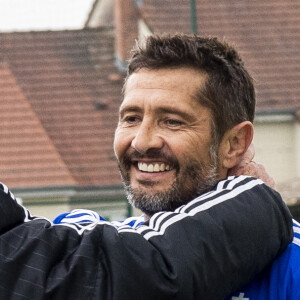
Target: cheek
121 143
194 147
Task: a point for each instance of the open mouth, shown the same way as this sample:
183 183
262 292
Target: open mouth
153 167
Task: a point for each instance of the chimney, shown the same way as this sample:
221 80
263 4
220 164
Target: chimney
126 30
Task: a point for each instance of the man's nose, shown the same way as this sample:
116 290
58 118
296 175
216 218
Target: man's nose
147 137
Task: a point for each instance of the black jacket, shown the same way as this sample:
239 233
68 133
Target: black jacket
203 250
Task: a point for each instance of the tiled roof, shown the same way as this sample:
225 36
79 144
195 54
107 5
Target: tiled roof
58 81
60 91
267 33
27 155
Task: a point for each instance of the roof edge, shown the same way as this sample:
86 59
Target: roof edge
93 7
286 115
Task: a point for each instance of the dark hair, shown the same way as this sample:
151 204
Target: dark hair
228 91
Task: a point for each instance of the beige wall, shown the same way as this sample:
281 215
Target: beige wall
113 211
277 144
48 211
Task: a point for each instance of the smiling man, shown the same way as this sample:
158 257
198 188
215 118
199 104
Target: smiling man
163 141
185 125
170 140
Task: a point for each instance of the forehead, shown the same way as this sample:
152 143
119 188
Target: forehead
166 78
177 86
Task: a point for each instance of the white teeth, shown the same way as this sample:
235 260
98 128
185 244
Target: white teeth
156 168
153 168
150 168
144 167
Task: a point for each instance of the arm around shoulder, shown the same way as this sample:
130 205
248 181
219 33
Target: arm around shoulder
227 236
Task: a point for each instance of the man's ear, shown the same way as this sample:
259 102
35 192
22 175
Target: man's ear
235 143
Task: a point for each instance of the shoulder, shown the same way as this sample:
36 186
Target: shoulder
290 258
279 281
288 262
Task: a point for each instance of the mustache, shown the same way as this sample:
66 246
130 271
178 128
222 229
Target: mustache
152 154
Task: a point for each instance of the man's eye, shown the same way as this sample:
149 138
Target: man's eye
131 119
173 122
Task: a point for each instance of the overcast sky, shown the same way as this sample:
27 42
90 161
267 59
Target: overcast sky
23 15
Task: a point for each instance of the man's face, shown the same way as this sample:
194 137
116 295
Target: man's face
163 141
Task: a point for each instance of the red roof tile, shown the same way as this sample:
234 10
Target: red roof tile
27 156
62 75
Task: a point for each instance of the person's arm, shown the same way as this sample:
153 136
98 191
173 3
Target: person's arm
204 250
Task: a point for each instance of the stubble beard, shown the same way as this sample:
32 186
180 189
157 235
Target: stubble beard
195 179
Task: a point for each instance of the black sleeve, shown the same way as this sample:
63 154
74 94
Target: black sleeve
203 250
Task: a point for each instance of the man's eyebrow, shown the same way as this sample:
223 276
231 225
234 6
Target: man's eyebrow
175 111
129 109
160 110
